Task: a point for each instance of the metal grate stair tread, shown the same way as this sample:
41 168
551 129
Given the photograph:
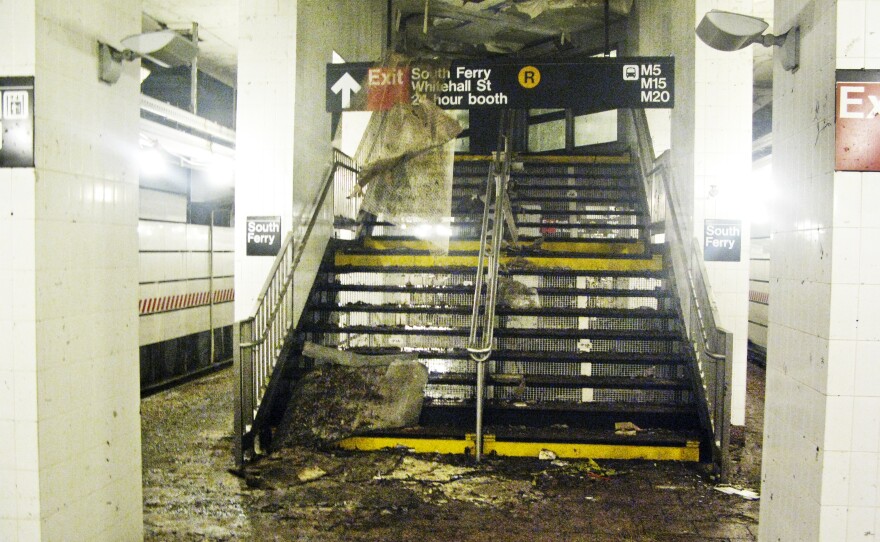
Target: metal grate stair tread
469 289
500 333
620 408
561 381
500 311
618 358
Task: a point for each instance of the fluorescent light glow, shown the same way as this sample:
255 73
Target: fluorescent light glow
761 194
151 162
221 171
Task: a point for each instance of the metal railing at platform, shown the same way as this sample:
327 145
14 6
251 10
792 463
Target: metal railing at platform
712 345
259 339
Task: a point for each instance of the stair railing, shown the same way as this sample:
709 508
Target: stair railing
260 338
497 211
712 345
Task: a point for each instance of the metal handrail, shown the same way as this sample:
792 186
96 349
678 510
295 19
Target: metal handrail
482 329
260 338
712 345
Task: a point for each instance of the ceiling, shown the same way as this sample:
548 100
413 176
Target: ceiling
217 27
452 28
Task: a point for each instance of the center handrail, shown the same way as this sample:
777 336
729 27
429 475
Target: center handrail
497 211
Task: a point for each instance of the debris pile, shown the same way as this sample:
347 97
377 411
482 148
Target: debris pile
348 394
407 154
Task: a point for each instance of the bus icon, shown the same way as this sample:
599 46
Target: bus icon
631 72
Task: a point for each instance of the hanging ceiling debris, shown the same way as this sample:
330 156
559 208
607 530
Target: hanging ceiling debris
477 27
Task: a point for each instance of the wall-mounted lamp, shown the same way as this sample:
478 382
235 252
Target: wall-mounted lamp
727 31
166 48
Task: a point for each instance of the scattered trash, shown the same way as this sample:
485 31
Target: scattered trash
585 345
310 474
547 455
748 494
594 470
413 468
626 428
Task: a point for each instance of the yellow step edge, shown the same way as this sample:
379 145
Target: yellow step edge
548 246
655 263
689 452
623 159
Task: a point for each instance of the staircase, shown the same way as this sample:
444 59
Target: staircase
588 329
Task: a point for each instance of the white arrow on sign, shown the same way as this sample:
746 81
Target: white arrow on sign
347 85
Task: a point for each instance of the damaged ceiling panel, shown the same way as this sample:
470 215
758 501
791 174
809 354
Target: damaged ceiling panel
475 27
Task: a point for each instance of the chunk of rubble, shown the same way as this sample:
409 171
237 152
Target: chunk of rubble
349 394
310 474
626 429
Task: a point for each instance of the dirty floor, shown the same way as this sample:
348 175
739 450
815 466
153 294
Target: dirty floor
306 495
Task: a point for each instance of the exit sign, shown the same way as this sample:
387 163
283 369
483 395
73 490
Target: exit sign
857 115
591 85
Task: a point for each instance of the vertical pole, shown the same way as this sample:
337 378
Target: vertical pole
569 130
194 74
728 396
238 395
607 27
211 287
481 380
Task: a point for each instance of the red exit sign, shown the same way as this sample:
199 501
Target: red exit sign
858 121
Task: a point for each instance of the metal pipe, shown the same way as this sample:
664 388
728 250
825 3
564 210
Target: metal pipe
211 286
194 74
607 27
481 383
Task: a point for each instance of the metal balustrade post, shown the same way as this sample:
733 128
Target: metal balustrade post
242 363
727 391
258 340
712 346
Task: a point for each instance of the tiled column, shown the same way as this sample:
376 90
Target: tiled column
266 93
70 464
821 466
710 133
722 169
283 134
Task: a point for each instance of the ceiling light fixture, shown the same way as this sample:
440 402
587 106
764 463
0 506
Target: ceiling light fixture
166 48
726 31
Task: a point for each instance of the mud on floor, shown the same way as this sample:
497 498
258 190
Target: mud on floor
192 492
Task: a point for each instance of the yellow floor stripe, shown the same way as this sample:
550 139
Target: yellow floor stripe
688 452
655 263
549 246
546 159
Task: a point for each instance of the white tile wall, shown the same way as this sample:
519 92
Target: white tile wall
265 113
279 169
69 286
825 287
17 35
722 159
157 205
19 504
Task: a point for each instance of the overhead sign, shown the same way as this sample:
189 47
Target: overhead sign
263 235
722 241
596 84
858 120
16 122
